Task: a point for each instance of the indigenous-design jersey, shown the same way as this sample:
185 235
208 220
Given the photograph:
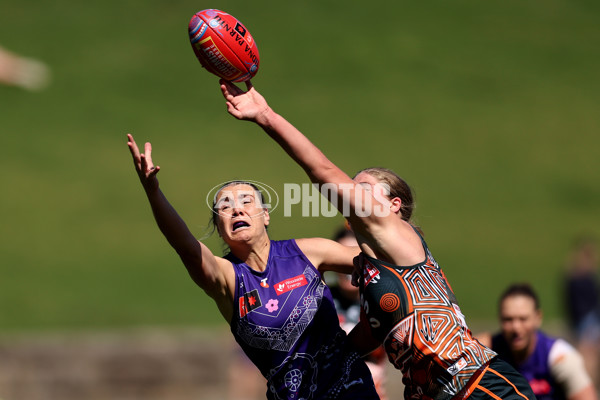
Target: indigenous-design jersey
286 322
536 368
414 312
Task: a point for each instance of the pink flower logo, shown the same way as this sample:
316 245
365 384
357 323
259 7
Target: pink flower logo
272 305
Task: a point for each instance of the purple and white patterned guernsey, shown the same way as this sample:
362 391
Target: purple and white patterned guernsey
536 368
285 321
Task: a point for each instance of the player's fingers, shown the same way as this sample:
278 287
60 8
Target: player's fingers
233 111
135 152
132 146
229 97
233 89
224 89
225 83
148 153
143 165
229 93
154 171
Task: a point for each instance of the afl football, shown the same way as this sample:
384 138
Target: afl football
223 45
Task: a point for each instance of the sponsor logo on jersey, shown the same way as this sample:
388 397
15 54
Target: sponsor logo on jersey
272 305
263 283
540 386
457 367
290 284
248 302
370 272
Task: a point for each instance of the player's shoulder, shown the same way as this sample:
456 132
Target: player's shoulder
315 243
568 368
293 247
561 350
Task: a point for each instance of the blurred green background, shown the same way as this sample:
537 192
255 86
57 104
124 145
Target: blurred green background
488 109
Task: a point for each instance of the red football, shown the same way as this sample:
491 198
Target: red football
223 45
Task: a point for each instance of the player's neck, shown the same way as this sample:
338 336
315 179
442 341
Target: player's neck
257 255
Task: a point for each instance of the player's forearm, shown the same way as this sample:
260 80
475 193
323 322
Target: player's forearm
317 166
361 340
171 224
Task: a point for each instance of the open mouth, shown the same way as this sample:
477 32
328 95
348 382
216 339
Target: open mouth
240 224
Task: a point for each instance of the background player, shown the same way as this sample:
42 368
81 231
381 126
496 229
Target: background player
554 369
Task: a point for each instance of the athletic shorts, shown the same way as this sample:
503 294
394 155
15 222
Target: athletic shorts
500 381
359 386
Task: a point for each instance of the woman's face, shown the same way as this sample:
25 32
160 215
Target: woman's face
241 216
520 321
380 192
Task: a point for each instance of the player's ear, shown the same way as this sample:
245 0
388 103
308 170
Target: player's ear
395 205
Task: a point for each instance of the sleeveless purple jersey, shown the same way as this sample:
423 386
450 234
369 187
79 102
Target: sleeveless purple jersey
285 321
536 369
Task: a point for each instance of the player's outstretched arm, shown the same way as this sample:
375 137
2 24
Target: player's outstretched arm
209 272
251 106
329 255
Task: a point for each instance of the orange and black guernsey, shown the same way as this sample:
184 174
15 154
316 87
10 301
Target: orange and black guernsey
414 313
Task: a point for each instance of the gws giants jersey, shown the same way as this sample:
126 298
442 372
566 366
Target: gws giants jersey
414 312
285 321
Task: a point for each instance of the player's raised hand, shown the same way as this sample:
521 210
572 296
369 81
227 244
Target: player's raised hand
143 164
245 105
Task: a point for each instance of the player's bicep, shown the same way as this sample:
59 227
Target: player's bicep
206 270
328 255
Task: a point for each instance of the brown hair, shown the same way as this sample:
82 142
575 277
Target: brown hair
520 289
398 188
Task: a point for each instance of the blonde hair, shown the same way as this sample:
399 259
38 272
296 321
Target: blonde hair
398 188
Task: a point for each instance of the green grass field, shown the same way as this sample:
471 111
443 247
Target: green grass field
489 110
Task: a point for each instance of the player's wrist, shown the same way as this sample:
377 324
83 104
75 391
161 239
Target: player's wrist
265 118
151 189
